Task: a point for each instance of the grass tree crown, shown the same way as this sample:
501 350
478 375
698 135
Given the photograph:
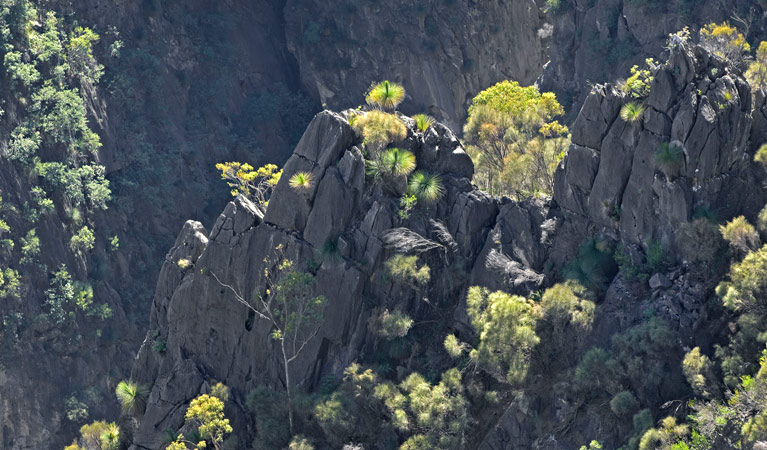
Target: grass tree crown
385 95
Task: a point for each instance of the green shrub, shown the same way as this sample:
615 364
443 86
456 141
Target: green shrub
300 443
624 404
656 256
741 235
505 325
698 371
392 325
378 129
30 247
23 145
77 411
746 288
637 86
10 283
405 270
423 122
82 241
565 317
556 6
757 73
699 241
270 409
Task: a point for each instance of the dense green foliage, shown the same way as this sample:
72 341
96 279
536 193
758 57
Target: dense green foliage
49 70
506 326
513 139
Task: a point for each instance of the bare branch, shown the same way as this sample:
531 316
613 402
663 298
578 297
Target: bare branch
238 297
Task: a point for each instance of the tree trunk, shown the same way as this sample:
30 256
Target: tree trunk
287 385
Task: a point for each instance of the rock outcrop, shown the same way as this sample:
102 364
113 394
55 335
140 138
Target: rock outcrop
622 33
611 174
608 185
210 335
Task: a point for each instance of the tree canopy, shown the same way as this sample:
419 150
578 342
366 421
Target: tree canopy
514 140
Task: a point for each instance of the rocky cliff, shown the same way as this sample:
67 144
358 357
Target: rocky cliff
467 238
622 33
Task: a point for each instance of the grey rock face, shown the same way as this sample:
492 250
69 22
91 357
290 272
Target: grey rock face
443 55
695 104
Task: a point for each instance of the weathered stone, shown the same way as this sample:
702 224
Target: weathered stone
582 167
333 208
659 281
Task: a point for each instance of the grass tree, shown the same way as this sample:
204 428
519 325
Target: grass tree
132 396
289 305
423 122
385 95
397 162
426 187
301 181
632 112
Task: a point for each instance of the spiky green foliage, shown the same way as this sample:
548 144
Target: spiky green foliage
427 187
423 122
132 396
741 235
397 162
385 95
632 112
392 325
454 347
505 325
301 181
669 158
